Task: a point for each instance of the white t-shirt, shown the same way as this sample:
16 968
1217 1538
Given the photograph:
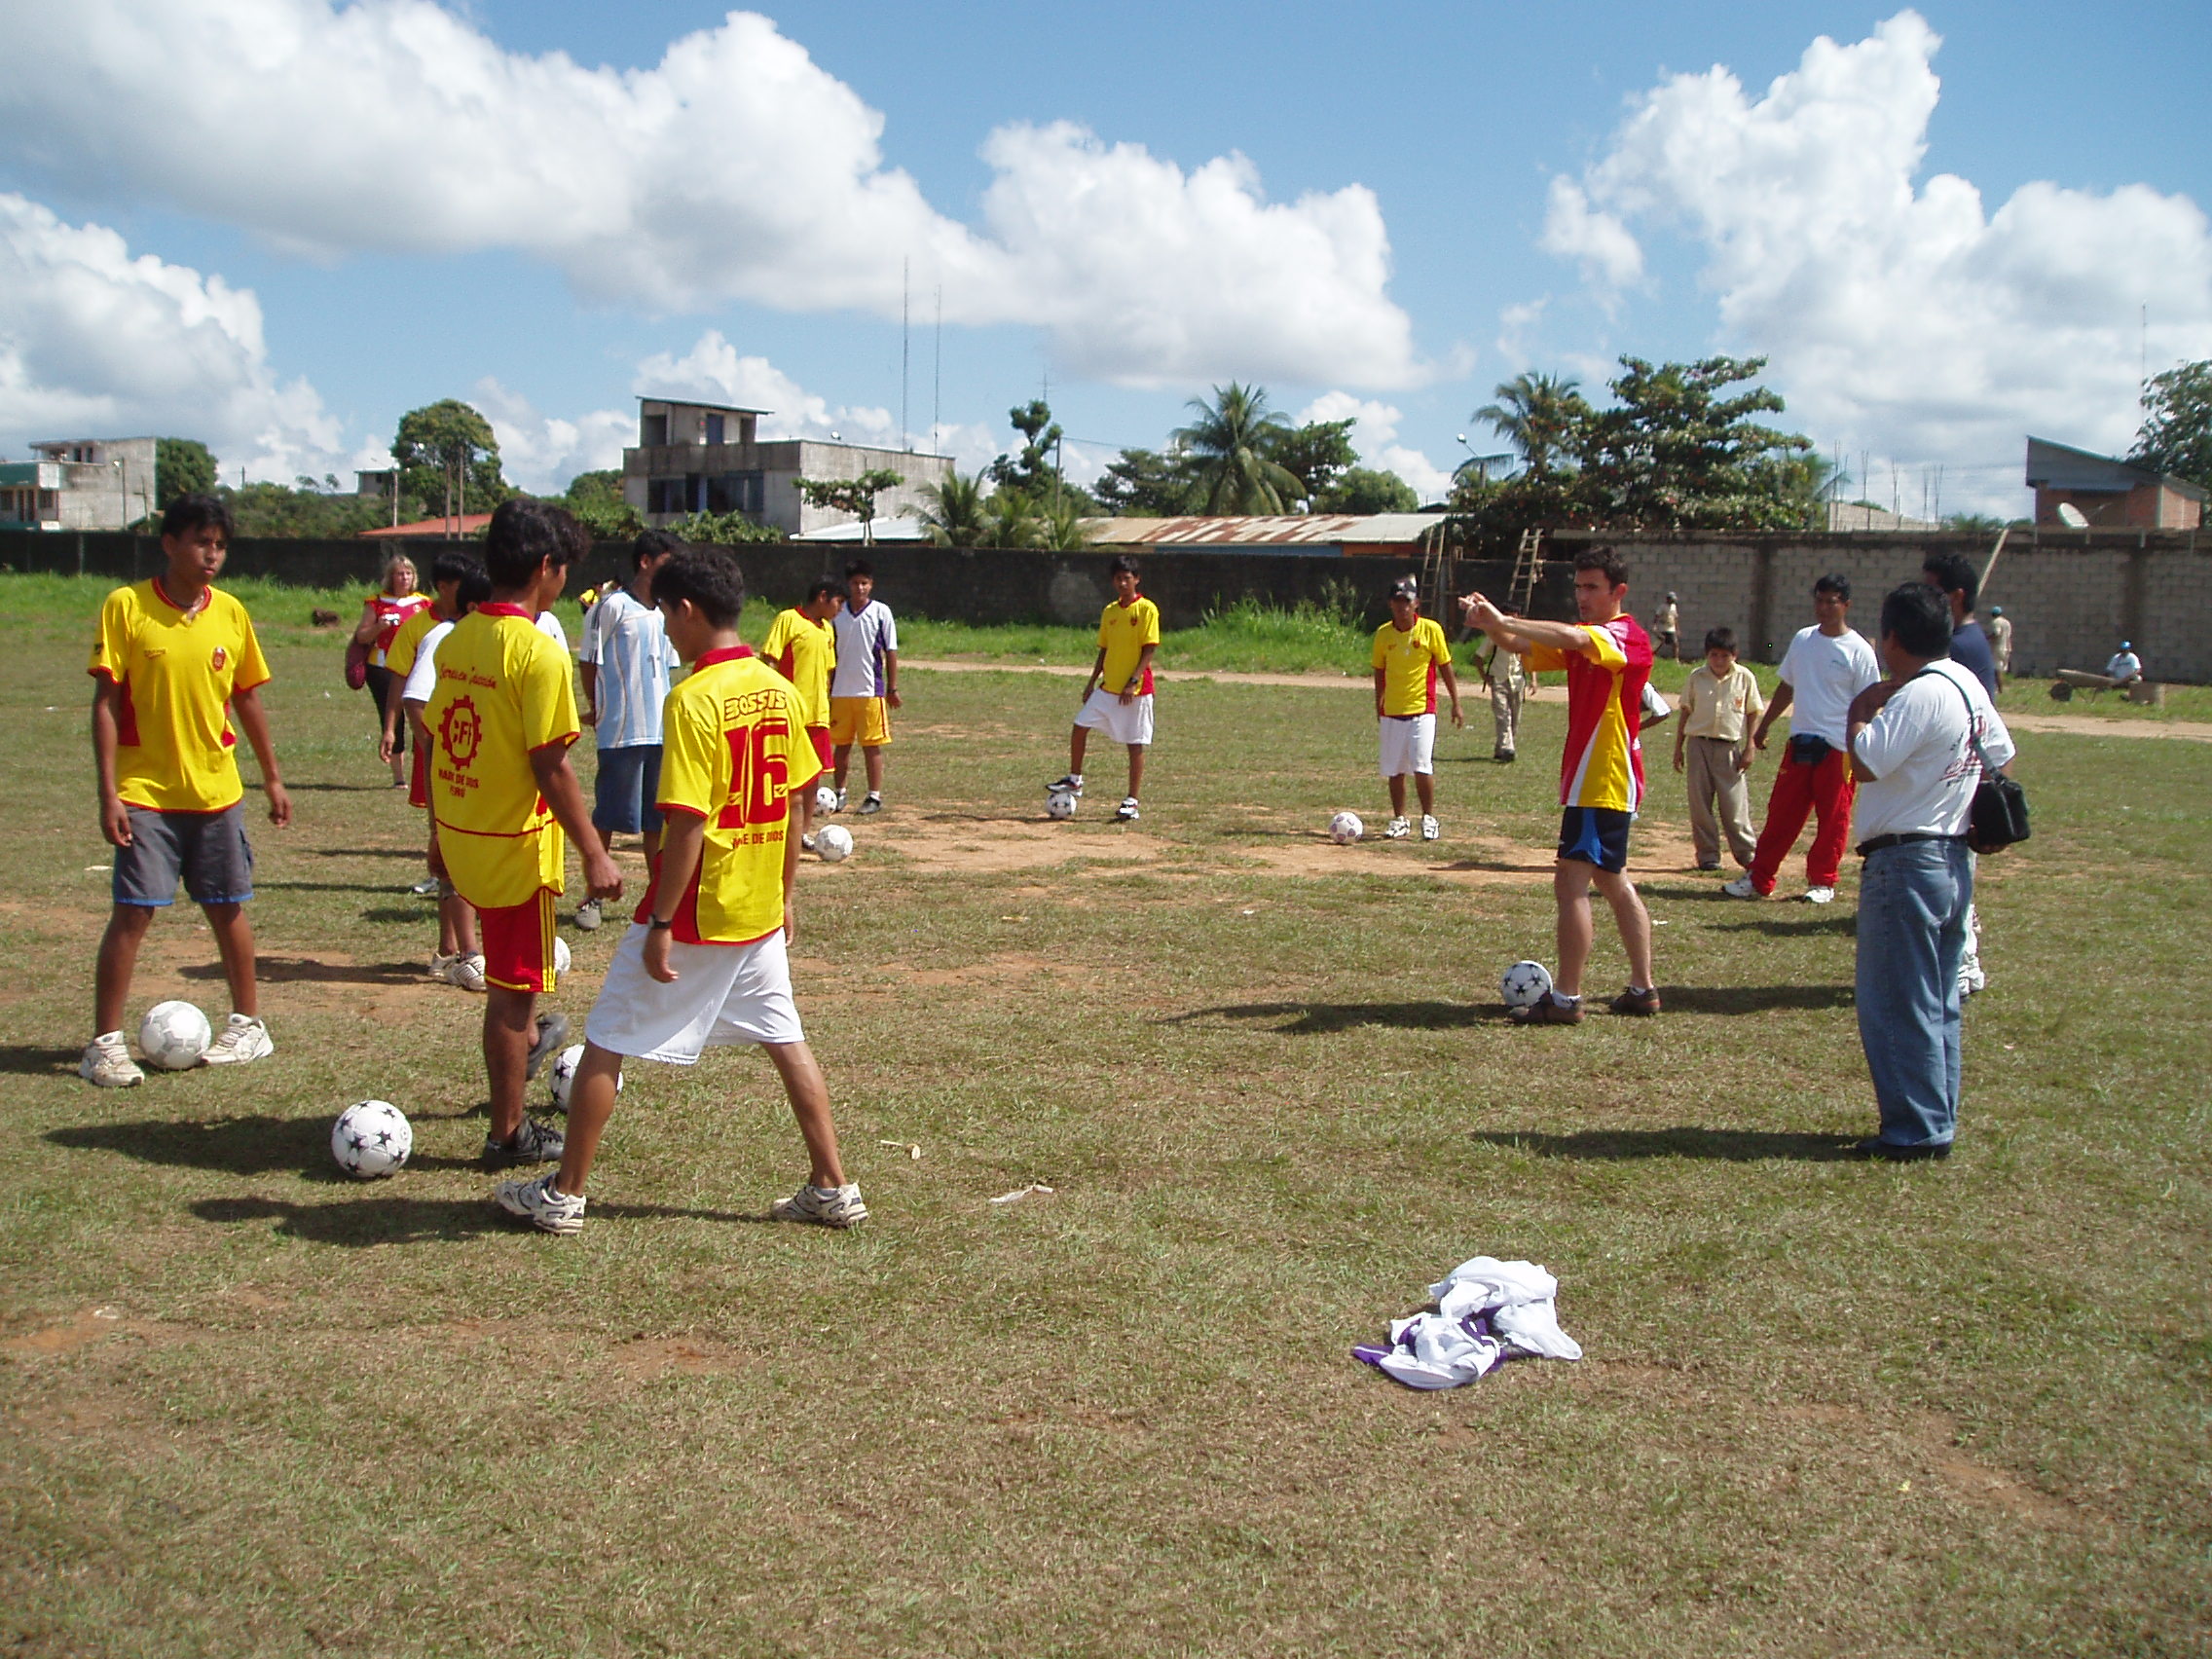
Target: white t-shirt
629 643
862 639
1824 675
422 678
2124 665
549 625
1924 767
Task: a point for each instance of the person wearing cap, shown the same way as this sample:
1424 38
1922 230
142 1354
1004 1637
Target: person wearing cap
1667 630
1410 653
2125 665
1999 628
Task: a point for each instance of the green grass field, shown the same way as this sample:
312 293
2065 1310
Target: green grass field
247 1407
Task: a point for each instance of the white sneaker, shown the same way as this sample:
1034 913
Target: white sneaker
535 1142
587 915
1820 895
426 887
1397 830
807 842
537 1204
107 1063
244 1039
1740 888
1072 782
840 806
1428 829
823 1206
1126 812
466 971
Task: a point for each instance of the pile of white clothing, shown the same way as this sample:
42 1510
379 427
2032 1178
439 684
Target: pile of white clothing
1487 1310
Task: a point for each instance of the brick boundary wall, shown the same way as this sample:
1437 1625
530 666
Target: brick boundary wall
2073 595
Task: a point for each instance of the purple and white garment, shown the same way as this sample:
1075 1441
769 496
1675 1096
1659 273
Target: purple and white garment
862 638
1487 1310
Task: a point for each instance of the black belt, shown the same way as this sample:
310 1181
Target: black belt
1881 841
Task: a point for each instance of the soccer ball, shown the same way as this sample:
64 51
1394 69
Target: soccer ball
1526 983
833 845
561 956
371 1138
1346 829
826 798
563 1076
173 1036
1059 803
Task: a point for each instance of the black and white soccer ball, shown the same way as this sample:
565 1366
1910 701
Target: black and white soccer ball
1059 803
826 797
173 1036
561 1077
1526 985
371 1139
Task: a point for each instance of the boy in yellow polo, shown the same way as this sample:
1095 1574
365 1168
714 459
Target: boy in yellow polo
174 664
802 648
1117 698
502 793
704 963
1410 652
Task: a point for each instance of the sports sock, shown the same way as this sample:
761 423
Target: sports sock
1566 1001
1640 991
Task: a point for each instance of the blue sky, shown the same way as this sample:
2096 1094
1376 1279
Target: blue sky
357 209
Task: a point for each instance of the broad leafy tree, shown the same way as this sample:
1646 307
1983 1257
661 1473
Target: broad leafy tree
1364 489
722 530
308 514
1147 484
448 460
2177 424
1318 455
855 495
597 500
182 467
1231 443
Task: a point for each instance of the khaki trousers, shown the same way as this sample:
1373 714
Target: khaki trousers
1714 783
1505 710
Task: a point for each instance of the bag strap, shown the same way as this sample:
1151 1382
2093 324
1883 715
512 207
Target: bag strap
1980 754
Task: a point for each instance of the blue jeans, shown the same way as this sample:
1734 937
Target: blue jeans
1912 931
627 792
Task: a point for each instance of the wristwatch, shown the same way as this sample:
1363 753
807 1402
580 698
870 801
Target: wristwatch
655 923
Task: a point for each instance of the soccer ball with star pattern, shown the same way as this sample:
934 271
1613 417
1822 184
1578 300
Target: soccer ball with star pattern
371 1138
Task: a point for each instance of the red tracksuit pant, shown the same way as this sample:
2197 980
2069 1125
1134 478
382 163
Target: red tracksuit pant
1801 792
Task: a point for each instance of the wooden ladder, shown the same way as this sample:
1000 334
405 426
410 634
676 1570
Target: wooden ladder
1438 568
1527 566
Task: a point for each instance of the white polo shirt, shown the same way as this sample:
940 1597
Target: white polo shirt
1824 675
1925 771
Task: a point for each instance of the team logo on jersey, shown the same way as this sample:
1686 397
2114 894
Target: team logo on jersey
220 657
461 732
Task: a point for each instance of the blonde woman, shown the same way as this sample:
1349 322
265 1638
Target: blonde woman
382 614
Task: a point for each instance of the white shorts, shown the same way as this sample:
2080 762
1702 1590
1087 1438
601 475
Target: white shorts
1123 723
723 994
1409 744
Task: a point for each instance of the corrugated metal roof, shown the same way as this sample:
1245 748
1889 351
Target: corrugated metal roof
1287 530
2062 466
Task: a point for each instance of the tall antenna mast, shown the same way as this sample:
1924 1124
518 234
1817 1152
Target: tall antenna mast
936 376
904 268
2143 376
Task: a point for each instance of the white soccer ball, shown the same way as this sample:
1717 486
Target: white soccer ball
833 845
173 1036
1346 829
826 798
1526 983
561 956
563 1076
371 1138
1059 803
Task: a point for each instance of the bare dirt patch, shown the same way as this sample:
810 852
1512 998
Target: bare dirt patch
81 1330
965 844
1495 861
644 1359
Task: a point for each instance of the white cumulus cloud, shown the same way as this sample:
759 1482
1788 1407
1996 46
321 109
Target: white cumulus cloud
97 342
1374 434
1900 314
734 169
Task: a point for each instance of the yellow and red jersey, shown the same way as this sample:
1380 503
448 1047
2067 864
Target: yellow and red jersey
407 640
1409 658
1124 632
804 651
733 749
1603 764
175 751
391 616
503 691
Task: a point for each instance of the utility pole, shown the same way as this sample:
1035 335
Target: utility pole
936 377
905 334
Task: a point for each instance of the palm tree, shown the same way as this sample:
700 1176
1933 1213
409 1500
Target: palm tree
1010 520
1229 444
1538 415
1061 530
956 516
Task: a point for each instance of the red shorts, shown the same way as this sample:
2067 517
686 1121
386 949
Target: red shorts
821 736
518 943
418 779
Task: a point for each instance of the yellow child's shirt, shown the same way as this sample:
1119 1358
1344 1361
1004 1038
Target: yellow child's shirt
1721 707
733 749
804 651
1124 632
1408 659
503 691
399 657
175 751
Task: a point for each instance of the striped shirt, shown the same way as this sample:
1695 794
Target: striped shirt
862 638
629 644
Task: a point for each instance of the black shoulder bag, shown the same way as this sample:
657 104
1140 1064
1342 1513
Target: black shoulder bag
1999 815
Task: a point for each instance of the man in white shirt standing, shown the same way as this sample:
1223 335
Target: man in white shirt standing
863 685
1826 666
626 657
1912 744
